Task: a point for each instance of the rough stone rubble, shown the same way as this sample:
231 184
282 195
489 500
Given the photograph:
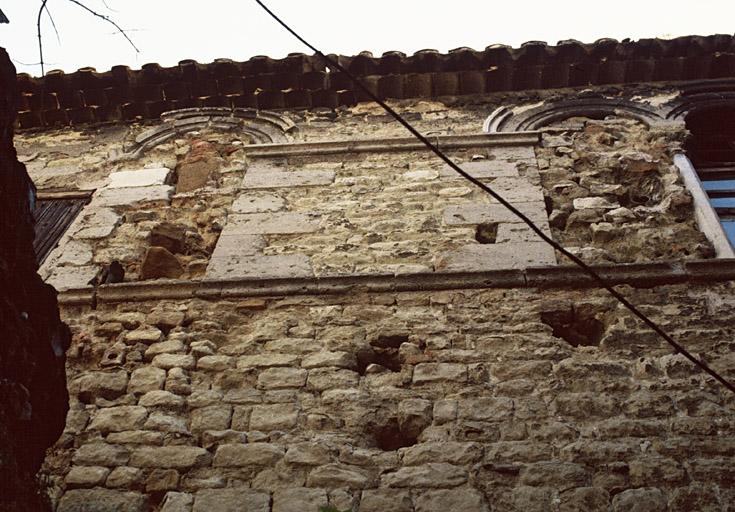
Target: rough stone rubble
500 399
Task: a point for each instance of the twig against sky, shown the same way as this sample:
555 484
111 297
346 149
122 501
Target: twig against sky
91 11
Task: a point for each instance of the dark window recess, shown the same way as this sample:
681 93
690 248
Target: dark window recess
53 217
711 149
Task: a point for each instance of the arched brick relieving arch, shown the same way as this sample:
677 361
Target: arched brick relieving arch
262 127
505 119
702 95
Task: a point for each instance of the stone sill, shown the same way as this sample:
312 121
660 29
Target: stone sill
639 275
392 144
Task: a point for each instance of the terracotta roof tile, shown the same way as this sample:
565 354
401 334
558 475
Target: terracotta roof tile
302 81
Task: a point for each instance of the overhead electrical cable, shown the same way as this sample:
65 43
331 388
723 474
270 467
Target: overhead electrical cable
589 270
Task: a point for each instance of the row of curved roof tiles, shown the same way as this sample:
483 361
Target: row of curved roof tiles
301 81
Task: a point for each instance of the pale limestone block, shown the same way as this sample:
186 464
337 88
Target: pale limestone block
299 499
162 422
514 232
174 457
516 190
107 385
101 454
383 500
482 169
229 246
174 346
214 363
267 177
71 277
97 222
161 398
584 203
451 452
439 372
204 397
78 500
483 257
329 378
273 417
123 477
213 417
214 438
86 476
478 213
266 361
430 475
118 419
277 378
133 195
464 499
514 153
177 502
168 361
272 223
421 175
308 454
486 408
74 253
258 203
231 500
326 358
146 379
145 334
252 454
136 437
260 267
335 475
138 178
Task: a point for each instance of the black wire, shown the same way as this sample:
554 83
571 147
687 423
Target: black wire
595 276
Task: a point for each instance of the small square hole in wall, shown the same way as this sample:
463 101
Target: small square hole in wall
486 233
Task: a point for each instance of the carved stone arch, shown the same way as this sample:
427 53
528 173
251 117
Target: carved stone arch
705 95
505 119
262 127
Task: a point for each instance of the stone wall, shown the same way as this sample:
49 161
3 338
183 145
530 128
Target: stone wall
479 400
33 397
265 397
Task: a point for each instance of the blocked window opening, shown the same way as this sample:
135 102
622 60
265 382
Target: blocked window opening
576 325
53 216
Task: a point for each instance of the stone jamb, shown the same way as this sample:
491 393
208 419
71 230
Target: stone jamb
705 215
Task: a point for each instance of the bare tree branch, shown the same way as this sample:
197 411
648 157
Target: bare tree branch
91 11
38 30
107 19
53 23
108 7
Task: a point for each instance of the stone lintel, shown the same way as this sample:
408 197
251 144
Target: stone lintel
392 144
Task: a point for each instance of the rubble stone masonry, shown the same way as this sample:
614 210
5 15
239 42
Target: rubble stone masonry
328 316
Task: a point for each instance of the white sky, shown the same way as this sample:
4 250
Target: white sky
167 31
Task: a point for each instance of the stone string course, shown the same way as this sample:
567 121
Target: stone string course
277 404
